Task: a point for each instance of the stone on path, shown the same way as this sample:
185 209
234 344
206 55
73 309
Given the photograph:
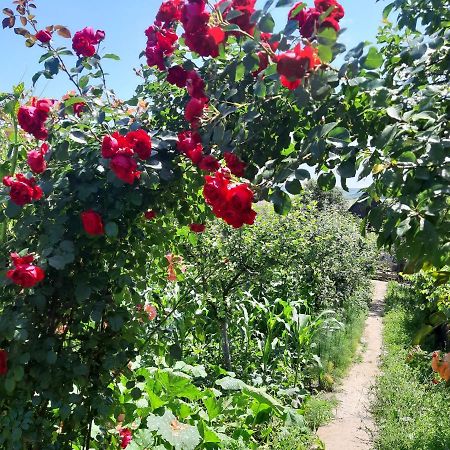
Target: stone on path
353 427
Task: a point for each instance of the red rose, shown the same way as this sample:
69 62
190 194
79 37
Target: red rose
78 108
240 197
44 36
294 64
160 43
188 140
267 38
330 22
141 143
195 154
32 121
92 223
150 215
195 85
20 260
246 8
236 166
110 146
36 160
32 118
197 227
194 17
3 362
84 41
155 57
163 39
124 167
194 110
208 164
23 190
126 437
24 273
296 11
215 188
177 76
189 143
230 202
205 43
169 11
324 5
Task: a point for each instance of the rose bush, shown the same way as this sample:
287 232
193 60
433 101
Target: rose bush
85 216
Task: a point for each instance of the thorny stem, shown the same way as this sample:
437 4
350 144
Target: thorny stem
13 169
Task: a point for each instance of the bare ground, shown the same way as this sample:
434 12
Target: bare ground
353 427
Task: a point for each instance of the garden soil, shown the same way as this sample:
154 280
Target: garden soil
353 427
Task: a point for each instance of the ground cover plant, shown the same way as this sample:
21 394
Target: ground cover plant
409 391
104 202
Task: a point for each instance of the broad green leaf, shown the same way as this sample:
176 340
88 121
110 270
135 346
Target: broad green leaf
182 436
373 60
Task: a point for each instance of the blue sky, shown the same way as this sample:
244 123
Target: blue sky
124 23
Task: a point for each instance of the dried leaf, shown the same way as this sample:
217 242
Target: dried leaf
8 22
63 31
23 32
8 12
24 21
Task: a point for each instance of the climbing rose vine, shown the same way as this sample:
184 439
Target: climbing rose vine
99 193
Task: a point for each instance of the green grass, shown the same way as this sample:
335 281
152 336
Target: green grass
411 412
337 351
318 411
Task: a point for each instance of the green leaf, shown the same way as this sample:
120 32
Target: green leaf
230 384
72 100
12 210
82 292
116 322
294 186
112 56
266 24
347 169
182 436
424 331
386 136
302 174
58 262
52 66
111 229
327 37
281 202
327 181
213 407
325 53
260 89
387 10
394 112
373 60
240 72
10 385
231 27
208 435
78 136
83 82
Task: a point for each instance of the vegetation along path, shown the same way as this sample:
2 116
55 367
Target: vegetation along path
353 427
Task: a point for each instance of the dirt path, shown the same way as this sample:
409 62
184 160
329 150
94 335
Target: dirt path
353 427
